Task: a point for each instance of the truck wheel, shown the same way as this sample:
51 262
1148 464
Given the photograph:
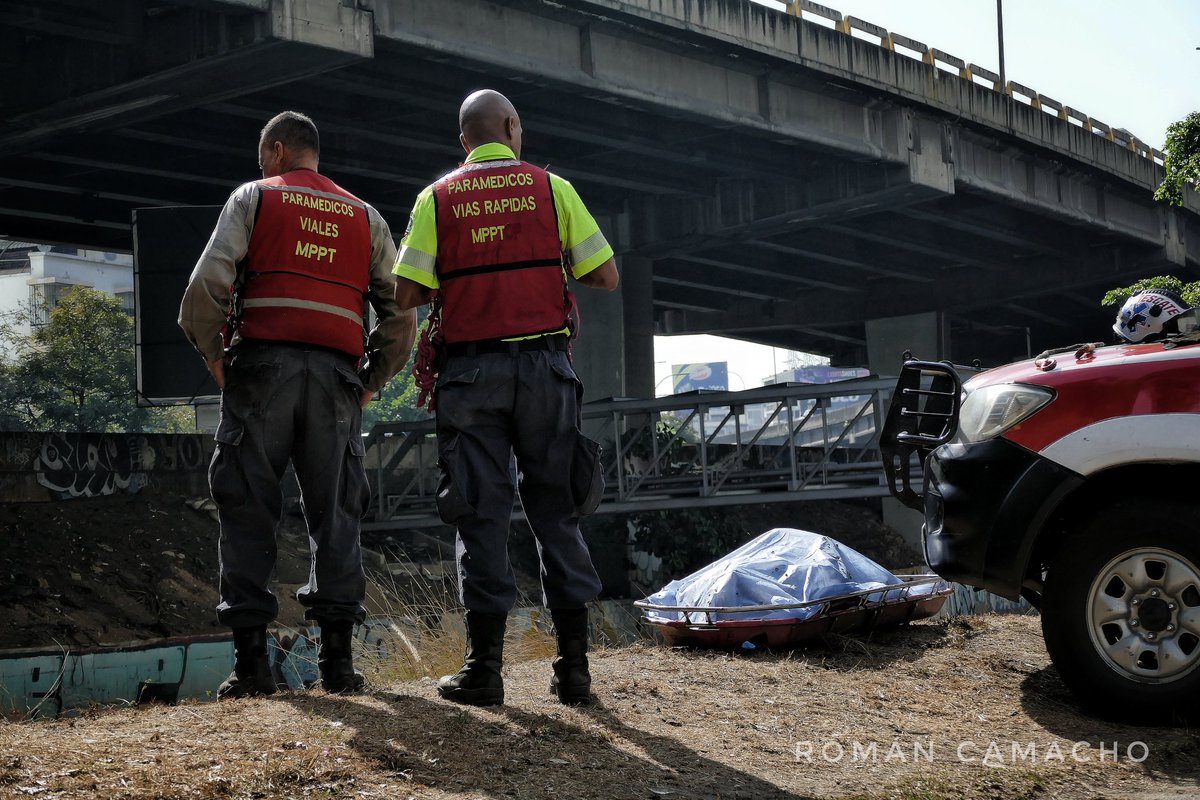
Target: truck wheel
1121 612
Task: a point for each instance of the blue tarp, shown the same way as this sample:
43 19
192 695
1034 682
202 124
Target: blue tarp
780 567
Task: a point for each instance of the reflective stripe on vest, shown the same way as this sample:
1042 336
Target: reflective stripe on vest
308 264
499 260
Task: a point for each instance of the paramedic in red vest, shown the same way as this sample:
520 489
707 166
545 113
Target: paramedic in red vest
275 306
491 244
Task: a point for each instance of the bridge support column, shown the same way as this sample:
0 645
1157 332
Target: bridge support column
887 339
599 352
637 300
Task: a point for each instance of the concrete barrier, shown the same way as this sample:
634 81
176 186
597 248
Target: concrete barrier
61 466
797 8
889 40
43 683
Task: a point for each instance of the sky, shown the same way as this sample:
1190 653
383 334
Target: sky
1132 65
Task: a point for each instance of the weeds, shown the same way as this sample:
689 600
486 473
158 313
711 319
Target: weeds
415 629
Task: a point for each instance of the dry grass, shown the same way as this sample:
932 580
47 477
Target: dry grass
418 630
668 723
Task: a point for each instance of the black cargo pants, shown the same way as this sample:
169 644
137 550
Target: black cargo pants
490 407
286 402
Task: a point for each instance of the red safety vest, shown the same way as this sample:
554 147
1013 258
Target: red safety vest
308 265
499 259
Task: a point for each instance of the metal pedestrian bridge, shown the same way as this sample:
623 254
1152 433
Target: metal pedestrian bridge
772 444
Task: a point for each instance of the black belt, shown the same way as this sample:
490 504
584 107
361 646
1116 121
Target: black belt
557 342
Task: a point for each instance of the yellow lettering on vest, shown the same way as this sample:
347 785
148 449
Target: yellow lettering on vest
315 251
505 205
466 209
319 227
491 233
318 203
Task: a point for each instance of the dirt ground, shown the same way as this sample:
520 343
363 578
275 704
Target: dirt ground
960 709
969 710
124 568
120 568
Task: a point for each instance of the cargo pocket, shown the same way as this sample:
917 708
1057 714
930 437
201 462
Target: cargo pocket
453 492
225 471
587 475
561 365
357 488
350 378
459 377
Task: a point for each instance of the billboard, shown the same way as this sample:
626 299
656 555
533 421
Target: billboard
823 374
166 244
706 375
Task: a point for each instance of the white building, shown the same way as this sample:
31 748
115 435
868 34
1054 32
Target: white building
35 277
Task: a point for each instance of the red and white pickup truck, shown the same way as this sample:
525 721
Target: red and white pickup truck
1072 480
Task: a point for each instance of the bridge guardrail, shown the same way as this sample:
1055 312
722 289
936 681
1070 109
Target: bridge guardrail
888 40
771 444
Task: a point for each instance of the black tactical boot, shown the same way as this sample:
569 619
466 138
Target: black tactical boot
335 660
572 683
251 674
479 683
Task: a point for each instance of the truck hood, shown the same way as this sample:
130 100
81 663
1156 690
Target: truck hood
1065 367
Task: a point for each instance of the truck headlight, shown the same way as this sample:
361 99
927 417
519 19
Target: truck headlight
989 411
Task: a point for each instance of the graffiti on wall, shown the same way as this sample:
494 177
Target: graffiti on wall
40 467
93 464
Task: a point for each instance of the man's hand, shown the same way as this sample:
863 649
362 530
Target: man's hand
365 398
217 368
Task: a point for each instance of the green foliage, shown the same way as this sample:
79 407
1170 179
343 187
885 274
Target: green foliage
1181 159
1190 292
77 371
398 399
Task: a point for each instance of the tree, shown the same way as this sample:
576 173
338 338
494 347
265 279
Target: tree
398 399
77 371
1181 159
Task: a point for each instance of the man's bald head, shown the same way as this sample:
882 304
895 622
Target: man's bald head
488 116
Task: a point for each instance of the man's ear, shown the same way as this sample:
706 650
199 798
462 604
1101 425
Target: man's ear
463 141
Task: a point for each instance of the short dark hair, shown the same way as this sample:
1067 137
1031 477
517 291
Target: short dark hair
297 131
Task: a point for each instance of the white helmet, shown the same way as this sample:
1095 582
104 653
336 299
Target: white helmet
1146 314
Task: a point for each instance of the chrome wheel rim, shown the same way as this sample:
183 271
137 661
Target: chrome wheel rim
1143 614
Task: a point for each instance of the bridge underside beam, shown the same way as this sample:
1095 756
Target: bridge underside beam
996 300
64 87
744 212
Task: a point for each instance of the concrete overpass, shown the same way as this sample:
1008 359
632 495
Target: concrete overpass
762 174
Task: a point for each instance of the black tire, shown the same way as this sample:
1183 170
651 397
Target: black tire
1121 611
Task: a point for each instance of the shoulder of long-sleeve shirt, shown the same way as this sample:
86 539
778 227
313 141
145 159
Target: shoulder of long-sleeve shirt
378 225
242 205
246 195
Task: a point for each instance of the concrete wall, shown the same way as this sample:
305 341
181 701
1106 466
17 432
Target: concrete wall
60 466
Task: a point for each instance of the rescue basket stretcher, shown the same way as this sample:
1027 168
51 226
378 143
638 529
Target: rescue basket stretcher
914 597
784 587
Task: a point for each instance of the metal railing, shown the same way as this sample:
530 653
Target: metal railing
708 448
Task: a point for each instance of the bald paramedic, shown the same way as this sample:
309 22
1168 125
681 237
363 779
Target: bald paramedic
495 246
